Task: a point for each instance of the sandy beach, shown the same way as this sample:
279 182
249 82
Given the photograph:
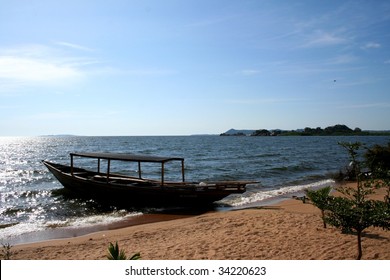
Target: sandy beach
288 230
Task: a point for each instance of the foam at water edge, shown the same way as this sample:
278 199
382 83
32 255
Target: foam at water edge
73 223
262 195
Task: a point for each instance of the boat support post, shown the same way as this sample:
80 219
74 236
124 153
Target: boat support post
71 164
182 170
108 169
162 174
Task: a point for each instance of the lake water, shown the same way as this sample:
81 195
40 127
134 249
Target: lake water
33 204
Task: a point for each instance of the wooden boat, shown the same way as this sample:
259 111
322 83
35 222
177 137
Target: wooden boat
117 188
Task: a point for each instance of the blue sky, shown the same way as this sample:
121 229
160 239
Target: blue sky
188 67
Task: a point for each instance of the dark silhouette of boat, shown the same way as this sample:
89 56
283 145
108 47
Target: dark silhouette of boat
114 187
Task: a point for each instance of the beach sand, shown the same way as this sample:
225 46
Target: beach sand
288 230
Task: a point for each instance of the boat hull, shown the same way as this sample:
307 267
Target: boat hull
146 194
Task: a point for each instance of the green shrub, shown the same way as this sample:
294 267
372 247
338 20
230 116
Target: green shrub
320 198
114 253
6 251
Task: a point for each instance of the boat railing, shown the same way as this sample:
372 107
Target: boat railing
126 157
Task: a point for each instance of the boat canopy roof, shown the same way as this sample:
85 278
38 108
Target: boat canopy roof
127 157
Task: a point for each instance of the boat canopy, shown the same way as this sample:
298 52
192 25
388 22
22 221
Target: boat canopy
128 157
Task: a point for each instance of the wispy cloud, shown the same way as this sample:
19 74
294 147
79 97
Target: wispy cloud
249 72
149 72
40 65
262 100
368 105
371 45
323 39
35 70
74 46
206 22
342 59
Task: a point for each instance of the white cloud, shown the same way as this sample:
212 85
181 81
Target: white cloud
249 72
262 100
343 59
149 72
371 45
207 22
324 39
74 46
35 70
368 105
40 65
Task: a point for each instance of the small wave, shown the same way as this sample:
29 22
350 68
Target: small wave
16 231
267 155
259 196
9 233
11 178
13 211
7 225
25 194
292 168
100 219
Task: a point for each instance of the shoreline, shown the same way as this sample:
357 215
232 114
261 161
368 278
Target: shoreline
59 233
289 229
73 232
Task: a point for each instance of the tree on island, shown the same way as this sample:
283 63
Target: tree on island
336 130
261 132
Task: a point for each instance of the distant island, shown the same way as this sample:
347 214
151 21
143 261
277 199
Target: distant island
336 130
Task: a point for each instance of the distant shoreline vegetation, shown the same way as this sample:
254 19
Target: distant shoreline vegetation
336 130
